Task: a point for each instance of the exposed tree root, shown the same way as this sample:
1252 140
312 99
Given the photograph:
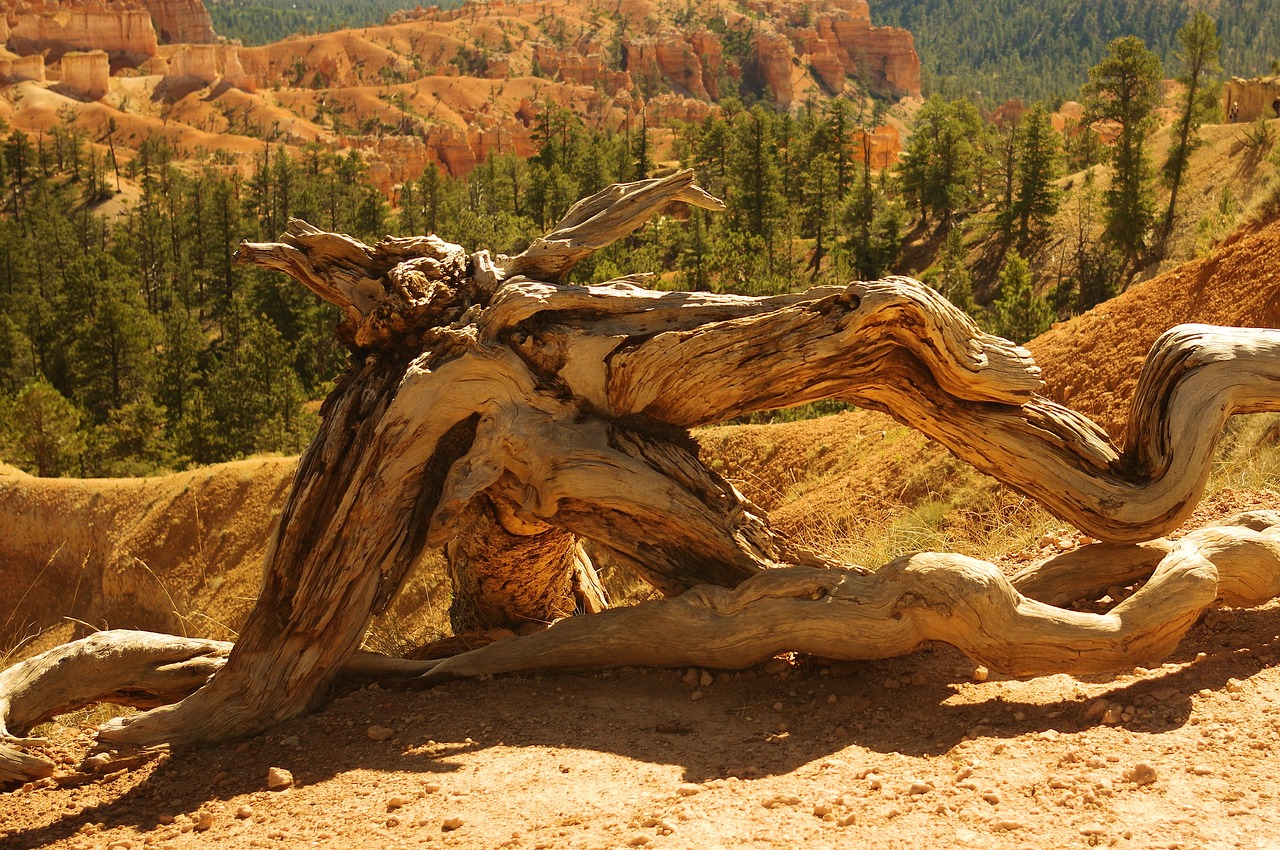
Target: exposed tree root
925 597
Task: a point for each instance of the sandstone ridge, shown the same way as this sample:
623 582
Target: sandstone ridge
450 87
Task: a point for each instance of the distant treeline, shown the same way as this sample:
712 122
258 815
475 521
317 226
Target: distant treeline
264 21
1043 50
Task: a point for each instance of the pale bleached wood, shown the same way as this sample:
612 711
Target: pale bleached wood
926 597
126 668
601 220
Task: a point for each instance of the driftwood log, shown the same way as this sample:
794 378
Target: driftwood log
496 412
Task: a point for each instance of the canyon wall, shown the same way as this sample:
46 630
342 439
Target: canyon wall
1252 98
15 69
181 21
125 34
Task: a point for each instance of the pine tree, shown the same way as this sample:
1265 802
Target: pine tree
1035 200
41 431
942 164
954 280
1124 87
1020 314
1199 56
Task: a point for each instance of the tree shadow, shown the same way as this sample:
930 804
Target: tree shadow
765 721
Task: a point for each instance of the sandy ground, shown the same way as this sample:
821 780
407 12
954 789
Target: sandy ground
902 753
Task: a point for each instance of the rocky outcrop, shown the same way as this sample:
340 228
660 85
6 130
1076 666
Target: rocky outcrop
1252 98
126 35
181 21
806 49
1068 117
200 61
87 74
15 69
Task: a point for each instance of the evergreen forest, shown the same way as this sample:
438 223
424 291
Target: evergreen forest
1001 49
131 344
254 22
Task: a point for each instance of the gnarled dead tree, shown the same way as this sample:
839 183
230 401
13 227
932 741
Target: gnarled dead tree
498 413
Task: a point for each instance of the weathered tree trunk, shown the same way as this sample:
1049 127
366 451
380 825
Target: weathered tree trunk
495 412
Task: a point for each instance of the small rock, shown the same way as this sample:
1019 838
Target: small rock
690 677
981 673
203 821
891 684
1093 829
833 699
848 820
1111 717
96 762
695 696
244 812
279 779
450 824
688 789
1234 686
293 742
991 797
1141 774
397 803
380 733
1202 770
1006 825
919 787
1096 709
638 840
705 679
777 706
779 800
821 810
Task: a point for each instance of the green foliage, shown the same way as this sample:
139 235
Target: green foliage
135 346
264 21
41 431
1042 51
951 276
943 162
1019 314
1124 88
1200 46
1039 165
